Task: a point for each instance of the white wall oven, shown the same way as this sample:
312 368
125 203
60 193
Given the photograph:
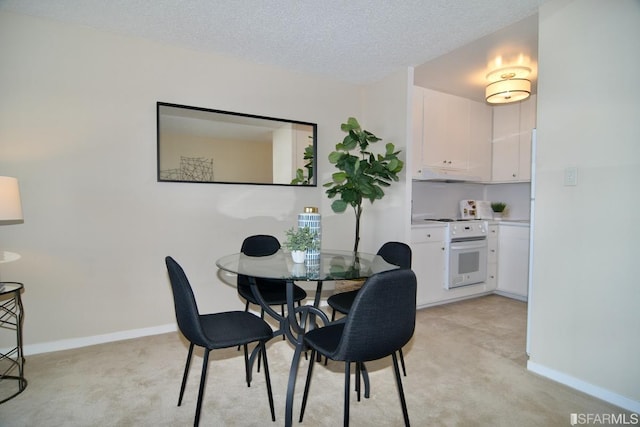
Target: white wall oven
466 252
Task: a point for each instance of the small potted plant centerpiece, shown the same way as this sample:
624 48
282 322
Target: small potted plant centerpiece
498 209
299 241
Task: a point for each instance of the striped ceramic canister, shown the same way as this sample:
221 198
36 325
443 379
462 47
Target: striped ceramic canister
311 218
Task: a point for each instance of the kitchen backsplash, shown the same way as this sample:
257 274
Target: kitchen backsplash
441 199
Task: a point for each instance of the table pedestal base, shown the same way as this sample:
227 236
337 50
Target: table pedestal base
12 380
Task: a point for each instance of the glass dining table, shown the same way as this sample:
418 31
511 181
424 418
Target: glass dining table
330 266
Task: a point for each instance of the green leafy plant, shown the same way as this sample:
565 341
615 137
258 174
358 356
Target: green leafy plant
498 206
360 176
300 176
301 239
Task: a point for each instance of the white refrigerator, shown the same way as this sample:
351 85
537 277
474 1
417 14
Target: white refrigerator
531 227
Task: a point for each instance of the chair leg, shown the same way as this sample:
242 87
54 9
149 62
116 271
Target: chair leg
284 336
260 354
259 358
365 379
307 383
358 380
404 369
203 380
186 371
267 378
403 402
246 366
347 376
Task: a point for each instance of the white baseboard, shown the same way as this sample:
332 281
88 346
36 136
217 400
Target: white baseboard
585 387
451 300
68 344
510 295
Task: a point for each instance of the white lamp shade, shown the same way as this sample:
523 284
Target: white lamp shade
510 90
10 206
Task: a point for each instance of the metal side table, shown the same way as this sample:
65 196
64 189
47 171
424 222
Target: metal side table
12 380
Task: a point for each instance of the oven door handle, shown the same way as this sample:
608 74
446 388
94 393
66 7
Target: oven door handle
468 245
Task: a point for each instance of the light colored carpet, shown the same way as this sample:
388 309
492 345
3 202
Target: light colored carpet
466 367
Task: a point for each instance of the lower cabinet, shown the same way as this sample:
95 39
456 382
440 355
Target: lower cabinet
492 258
513 261
428 261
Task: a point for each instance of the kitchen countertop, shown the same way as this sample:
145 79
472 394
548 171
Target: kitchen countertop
417 223
514 222
428 224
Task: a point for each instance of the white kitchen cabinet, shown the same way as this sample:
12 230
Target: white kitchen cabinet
428 262
511 151
513 261
445 130
416 136
492 257
451 133
506 159
480 116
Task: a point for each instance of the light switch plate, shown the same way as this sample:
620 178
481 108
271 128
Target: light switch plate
571 176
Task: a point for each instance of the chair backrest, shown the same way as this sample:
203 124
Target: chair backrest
260 245
257 245
396 253
187 313
382 318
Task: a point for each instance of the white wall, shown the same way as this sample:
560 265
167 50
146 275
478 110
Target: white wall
387 106
585 320
78 128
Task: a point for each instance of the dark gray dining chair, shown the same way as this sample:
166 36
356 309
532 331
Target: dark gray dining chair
396 253
381 321
274 292
214 331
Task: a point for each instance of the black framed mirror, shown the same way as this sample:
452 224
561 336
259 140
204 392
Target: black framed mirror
214 146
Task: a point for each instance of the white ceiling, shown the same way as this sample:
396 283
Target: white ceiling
358 41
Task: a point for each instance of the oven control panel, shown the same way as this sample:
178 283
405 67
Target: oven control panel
467 229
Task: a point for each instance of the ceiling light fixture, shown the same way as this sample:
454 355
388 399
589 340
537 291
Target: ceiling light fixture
508 85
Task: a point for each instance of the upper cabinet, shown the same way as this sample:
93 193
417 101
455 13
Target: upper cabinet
451 135
511 148
480 140
445 130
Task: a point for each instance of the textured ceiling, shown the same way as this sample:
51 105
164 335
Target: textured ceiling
358 41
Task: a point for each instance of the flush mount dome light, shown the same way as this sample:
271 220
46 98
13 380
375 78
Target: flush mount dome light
508 85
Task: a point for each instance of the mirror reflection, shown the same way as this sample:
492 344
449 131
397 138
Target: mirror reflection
204 145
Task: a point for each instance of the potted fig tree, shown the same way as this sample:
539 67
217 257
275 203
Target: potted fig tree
361 175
